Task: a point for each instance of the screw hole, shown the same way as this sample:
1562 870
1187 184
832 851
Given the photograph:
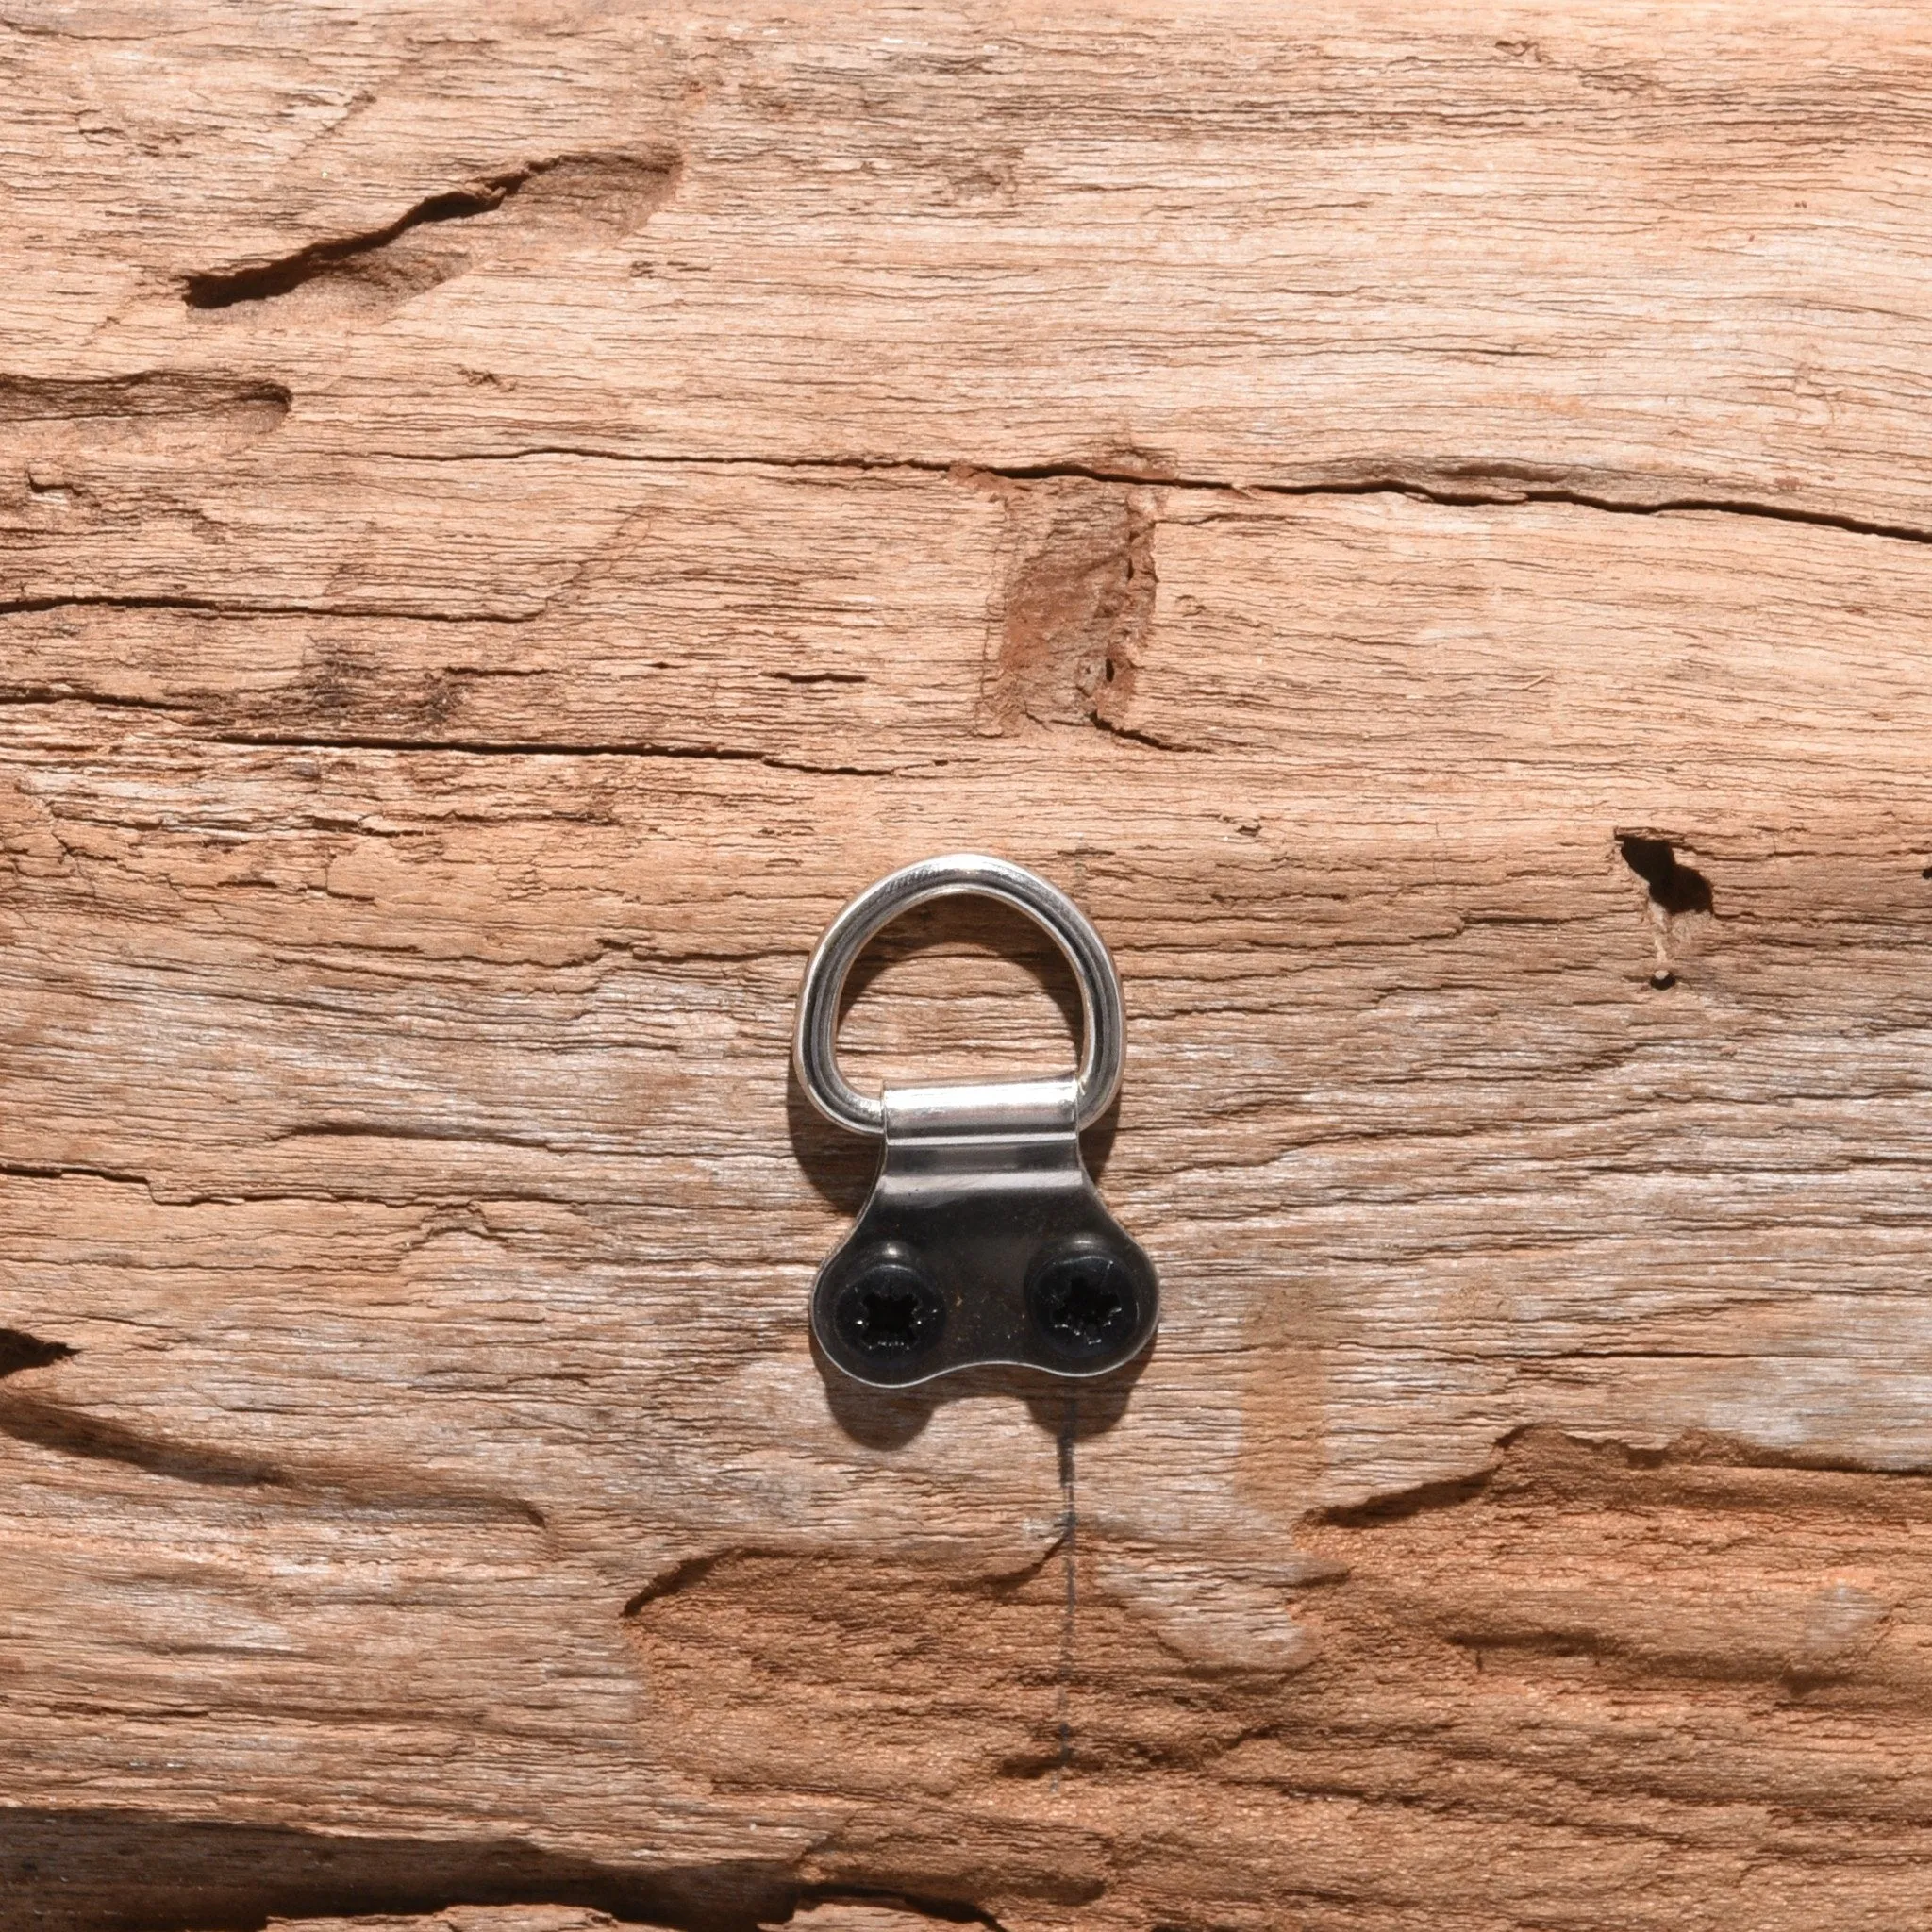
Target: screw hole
1087 1306
1085 1302
889 1312
889 1316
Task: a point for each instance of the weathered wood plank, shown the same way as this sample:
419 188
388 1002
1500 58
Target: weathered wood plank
507 524
1626 252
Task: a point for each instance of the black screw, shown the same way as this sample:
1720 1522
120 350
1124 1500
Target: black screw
1084 1301
889 1312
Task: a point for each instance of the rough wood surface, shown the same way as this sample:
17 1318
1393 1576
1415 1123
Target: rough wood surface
1418 517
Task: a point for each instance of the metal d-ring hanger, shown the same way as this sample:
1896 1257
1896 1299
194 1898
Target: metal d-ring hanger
1103 1019
983 1240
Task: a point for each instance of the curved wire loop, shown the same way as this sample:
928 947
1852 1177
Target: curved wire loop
815 1048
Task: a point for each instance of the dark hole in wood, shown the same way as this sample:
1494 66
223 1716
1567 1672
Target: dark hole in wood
1674 886
18 1350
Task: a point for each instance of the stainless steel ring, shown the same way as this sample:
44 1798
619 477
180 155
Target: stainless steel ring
815 1049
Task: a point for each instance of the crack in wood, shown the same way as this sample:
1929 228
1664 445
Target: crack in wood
487 748
1462 486
148 1872
241 608
147 394
143 1870
622 188
69 1431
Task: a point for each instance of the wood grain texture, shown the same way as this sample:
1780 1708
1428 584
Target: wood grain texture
1416 517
